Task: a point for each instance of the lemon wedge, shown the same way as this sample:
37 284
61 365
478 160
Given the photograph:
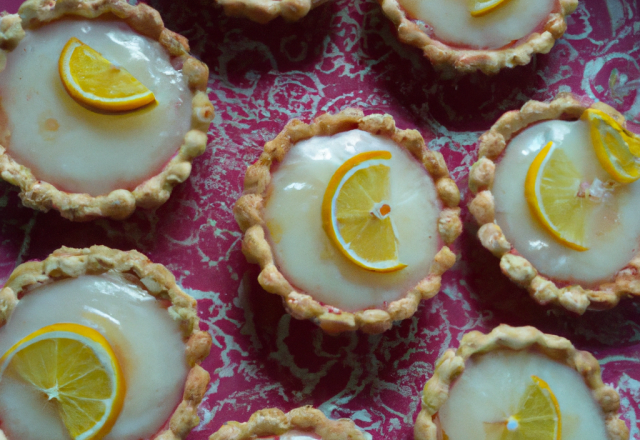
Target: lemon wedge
552 188
356 212
538 417
478 8
94 81
617 149
74 366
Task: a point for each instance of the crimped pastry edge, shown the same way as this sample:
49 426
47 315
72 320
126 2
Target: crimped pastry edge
151 193
248 214
488 61
452 363
156 280
574 298
263 11
272 421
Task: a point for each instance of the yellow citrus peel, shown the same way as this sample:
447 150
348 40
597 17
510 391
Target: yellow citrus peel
478 8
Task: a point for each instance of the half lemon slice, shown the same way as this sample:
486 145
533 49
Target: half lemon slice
75 367
93 80
617 149
552 190
478 8
356 212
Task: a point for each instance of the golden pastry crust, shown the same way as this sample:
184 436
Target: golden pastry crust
272 421
156 280
575 298
452 363
151 193
489 61
263 11
249 215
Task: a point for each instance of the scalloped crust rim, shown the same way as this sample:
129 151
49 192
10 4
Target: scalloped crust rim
576 298
155 191
156 280
248 213
263 11
443 56
452 364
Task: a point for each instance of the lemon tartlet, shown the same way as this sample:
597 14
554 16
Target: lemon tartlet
556 204
517 382
133 313
304 423
471 35
263 11
349 219
63 148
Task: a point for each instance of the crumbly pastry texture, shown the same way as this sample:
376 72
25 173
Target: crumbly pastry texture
151 193
575 298
272 421
489 61
248 212
452 364
156 280
263 11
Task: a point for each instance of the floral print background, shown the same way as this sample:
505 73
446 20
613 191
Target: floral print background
345 54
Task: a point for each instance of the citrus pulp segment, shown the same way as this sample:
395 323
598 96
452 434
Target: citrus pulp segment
93 80
478 8
355 212
74 366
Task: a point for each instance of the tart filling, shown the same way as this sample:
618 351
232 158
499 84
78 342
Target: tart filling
142 325
349 227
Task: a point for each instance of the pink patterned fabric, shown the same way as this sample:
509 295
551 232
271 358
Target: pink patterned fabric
345 54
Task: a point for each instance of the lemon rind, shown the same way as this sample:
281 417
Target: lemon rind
67 263
452 59
154 191
248 212
272 421
575 298
452 364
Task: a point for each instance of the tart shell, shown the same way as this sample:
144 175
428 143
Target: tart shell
153 192
452 363
489 61
156 280
263 11
272 421
249 215
576 298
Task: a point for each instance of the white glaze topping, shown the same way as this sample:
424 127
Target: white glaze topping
304 253
147 343
491 386
452 23
615 230
77 149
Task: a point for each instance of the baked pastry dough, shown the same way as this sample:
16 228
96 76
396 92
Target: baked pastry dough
371 310
101 265
567 290
136 181
450 37
263 11
306 421
555 357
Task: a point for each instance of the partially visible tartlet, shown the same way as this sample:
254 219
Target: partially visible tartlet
452 36
301 211
81 160
263 11
304 423
492 383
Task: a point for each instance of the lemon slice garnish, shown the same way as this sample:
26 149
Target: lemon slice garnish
538 417
75 367
552 188
94 81
356 212
478 8
617 149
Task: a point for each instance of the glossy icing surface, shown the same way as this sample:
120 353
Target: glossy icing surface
146 340
614 229
303 250
78 149
451 22
491 386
